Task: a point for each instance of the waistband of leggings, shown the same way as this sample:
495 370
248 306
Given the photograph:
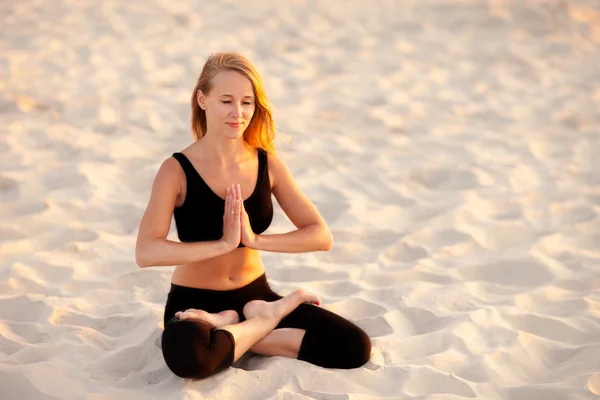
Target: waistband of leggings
259 283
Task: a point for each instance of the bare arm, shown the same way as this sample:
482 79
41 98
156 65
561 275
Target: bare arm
312 234
152 247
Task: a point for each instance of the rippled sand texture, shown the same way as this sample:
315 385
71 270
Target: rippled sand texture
452 146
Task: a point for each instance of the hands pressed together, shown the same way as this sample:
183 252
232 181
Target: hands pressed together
236 224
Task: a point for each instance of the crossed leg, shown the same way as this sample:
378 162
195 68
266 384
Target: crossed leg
257 333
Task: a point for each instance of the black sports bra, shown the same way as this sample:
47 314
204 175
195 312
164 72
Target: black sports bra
200 217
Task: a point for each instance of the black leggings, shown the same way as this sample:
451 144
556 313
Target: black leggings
330 341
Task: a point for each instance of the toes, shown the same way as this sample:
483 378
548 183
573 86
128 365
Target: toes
187 314
182 315
310 297
316 302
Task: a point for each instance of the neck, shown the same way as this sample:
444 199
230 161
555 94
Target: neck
223 150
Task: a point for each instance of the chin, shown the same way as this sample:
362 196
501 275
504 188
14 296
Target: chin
234 135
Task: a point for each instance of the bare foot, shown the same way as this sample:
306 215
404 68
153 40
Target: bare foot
227 317
306 297
280 308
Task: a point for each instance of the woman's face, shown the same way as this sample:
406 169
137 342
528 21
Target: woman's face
230 104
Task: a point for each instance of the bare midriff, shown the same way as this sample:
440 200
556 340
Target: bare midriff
226 272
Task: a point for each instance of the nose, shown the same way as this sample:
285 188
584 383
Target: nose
236 111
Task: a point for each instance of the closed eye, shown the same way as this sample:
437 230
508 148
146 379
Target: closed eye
229 101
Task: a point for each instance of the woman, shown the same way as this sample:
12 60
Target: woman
220 304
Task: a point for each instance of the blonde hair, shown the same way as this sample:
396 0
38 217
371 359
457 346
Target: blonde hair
260 133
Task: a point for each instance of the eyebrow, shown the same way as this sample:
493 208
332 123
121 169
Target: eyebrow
228 95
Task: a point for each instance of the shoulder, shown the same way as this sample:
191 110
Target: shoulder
275 164
170 172
274 160
171 165
278 170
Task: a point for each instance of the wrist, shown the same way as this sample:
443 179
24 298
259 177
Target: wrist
255 243
226 246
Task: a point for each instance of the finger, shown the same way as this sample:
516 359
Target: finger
231 201
228 201
243 213
238 199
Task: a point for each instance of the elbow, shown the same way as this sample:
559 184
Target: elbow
141 257
328 240
141 261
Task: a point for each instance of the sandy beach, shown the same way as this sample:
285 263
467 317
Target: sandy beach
453 147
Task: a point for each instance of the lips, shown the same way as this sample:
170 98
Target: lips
234 124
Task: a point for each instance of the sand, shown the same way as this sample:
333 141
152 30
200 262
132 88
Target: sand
451 145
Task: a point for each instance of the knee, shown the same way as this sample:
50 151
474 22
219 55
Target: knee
357 349
344 346
193 349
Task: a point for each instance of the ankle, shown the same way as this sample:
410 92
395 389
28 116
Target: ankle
268 322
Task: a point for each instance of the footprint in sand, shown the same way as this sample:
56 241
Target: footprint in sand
410 322
113 325
552 328
502 236
11 309
42 272
65 179
9 233
40 354
332 210
63 237
439 238
9 189
137 362
375 327
23 209
423 321
77 287
397 277
339 289
404 252
32 285
551 300
348 253
127 217
577 286
96 339
518 273
144 278
356 308
571 215
425 381
9 346
444 179
373 239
